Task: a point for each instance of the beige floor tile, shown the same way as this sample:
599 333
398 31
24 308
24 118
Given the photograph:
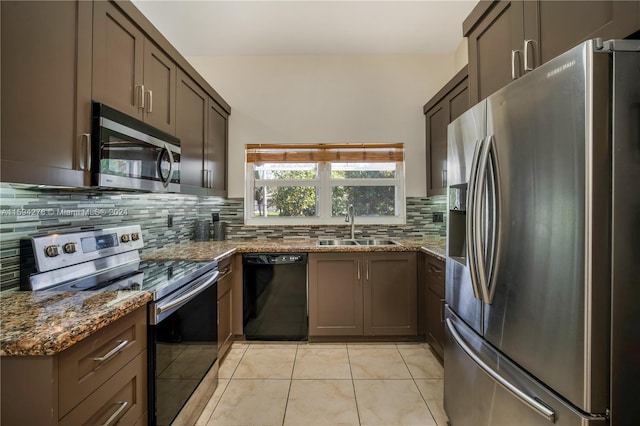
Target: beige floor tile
321 402
252 402
433 390
391 402
266 363
322 345
322 363
273 345
213 402
421 362
230 362
377 363
373 345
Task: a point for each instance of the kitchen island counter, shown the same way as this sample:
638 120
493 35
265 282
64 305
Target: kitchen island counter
43 323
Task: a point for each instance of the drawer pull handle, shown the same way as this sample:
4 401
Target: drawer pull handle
116 414
112 352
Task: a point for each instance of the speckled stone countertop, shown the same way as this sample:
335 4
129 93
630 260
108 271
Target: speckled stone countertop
48 322
210 250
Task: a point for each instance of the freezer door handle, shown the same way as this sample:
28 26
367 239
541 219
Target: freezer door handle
533 402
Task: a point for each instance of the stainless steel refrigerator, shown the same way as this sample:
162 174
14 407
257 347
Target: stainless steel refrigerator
543 247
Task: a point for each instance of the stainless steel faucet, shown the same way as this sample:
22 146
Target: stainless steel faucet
351 216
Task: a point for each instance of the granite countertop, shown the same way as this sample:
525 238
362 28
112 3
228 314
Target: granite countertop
48 322
210 250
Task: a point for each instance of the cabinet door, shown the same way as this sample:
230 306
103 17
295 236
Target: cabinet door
335 294
160 89
491 42
46 91
458 100
435 282
556 26
435 325
390 294
216 149
437 122
117 60
225 285
191 128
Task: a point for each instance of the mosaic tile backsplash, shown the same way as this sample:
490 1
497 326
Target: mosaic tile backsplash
26 212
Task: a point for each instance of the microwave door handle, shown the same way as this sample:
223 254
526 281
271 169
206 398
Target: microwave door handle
165 182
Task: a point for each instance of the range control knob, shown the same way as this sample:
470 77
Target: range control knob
124 238
135 236
51 251
69 248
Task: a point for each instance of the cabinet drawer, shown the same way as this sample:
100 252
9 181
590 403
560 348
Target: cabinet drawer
434 271
121 399
81 369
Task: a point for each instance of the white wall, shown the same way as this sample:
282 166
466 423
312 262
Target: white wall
327 99
462 54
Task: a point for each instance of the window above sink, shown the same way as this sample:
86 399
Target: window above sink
314 184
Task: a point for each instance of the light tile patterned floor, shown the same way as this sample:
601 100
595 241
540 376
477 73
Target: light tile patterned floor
327 384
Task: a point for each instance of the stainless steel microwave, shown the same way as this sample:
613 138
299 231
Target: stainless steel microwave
129 154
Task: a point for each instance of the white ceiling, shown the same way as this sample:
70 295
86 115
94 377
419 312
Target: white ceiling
300 27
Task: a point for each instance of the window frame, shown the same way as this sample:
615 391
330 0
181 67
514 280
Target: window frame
324 184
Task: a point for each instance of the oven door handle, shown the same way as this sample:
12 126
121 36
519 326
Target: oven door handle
188 296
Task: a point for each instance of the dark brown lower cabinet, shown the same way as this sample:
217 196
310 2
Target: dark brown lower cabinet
435 300
225 300
81 385
355 294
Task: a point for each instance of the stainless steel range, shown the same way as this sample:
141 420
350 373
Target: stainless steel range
183 316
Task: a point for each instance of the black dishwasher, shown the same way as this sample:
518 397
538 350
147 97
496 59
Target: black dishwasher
275 296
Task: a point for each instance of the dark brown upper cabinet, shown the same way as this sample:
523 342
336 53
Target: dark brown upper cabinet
46 92
131 74
447 105
202 128
510 38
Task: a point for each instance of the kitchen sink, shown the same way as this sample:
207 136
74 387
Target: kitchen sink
377 243
323 242
357 242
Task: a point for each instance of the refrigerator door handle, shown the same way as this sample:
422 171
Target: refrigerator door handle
496 221
470 225
530 401
478 240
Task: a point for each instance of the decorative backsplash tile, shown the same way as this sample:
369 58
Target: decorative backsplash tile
419 222
26 212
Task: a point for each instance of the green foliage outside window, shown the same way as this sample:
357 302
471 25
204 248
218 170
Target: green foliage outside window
294 200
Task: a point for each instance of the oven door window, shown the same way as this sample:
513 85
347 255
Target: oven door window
127 157
186 346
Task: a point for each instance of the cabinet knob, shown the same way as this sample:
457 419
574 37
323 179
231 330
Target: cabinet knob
514 54
527 44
